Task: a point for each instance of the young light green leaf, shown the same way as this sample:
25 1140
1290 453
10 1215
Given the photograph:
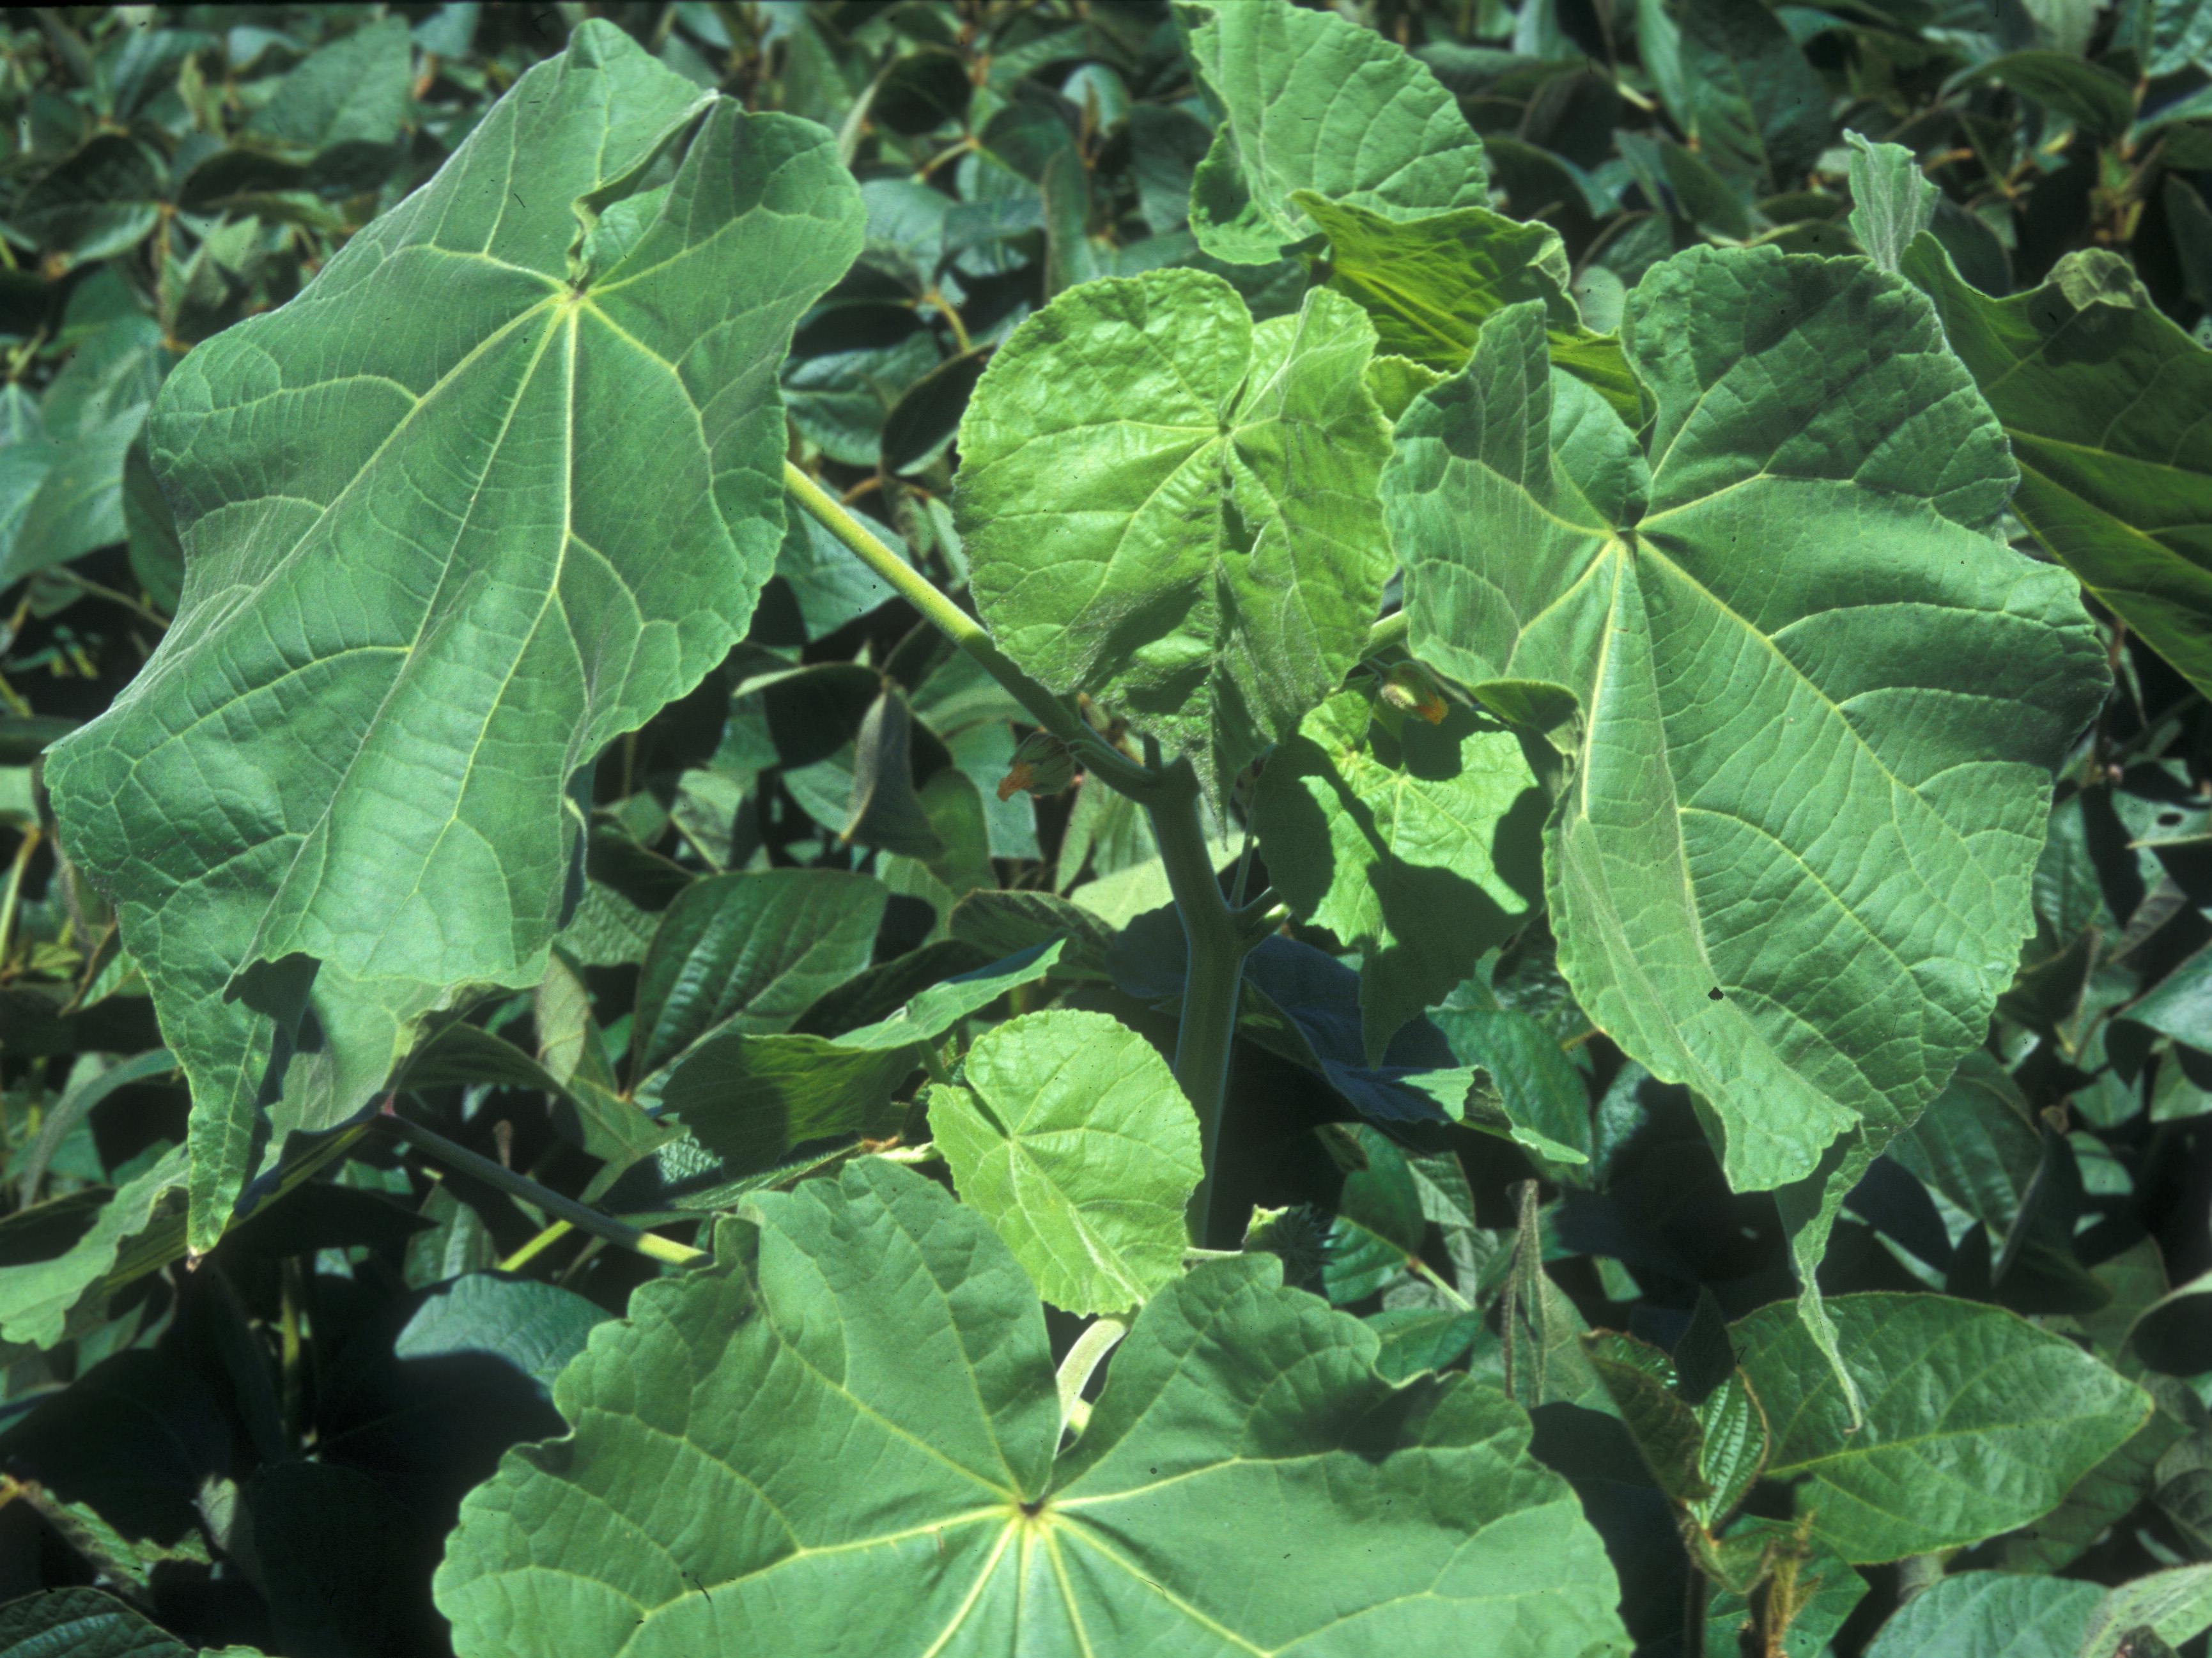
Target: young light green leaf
337 798
2176 1604
1068 1134
1419 850
1892 200
2088 376
1430 284
1975 1421
750 951
1821 699
1173 510
751 1098
842 1436
1311 101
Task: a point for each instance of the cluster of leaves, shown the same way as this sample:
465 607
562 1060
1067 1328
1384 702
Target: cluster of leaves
1606 609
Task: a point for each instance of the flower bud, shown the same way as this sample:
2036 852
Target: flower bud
1411 688
1042 765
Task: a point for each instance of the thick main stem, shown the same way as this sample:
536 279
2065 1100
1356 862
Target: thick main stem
1117 769
1218 944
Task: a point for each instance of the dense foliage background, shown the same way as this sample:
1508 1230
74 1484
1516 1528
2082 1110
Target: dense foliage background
268 1444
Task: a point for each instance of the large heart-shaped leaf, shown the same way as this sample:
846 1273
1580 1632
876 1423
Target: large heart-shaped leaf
1820 700
1068 1133
2103 400
842 1437
431 512
1310 100
1173 510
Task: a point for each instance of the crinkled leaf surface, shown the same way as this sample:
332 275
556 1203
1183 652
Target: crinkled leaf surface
1419 850
335 797
1173 510
1310 100
2109 408
1819 699
842 1437
1975 1421
1068 1134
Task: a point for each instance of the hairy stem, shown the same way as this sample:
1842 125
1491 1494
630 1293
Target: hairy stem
1218 946
1390 630
434 1145
1111 767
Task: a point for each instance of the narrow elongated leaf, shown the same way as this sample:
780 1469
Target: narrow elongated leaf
750 952
1975 1421
1310 100
36 1298
85 1622
1068 1134
1173 510
1738 85
1421 850
2109 408
1819 699
751 1098
335 801
842 1437
1892 200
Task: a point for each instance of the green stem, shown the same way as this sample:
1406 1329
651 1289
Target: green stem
434 1145
1218 946
1109 764
1390 630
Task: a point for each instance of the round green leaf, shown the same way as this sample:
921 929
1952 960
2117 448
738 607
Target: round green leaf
1173 510
841 1437
1072 1139
429 511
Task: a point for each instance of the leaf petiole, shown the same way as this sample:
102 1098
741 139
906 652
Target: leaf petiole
432 1144
1109 764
